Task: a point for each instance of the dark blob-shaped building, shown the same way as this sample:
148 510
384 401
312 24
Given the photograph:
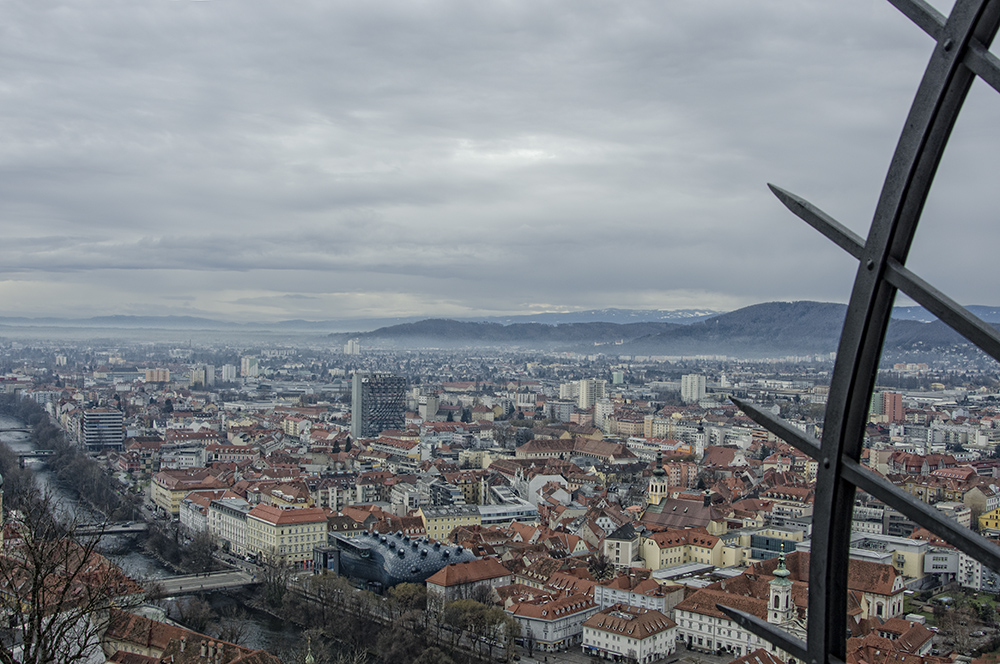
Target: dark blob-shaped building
381 561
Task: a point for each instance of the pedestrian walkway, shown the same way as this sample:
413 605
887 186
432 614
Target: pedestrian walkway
576 656
194 583
572 656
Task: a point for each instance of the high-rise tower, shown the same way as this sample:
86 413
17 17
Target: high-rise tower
692 388
378 402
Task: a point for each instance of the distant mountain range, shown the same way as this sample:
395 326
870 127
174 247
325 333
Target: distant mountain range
683 316
357 324
769 329
988 314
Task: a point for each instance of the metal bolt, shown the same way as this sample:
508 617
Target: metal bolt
826 462
870 264
948 43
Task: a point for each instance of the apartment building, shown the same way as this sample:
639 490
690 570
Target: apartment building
286 536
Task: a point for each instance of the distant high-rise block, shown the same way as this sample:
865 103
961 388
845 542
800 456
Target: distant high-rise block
692 388
589 391
228 373
892 407
157 375
249 367
102 428
378 402
352 347
203 375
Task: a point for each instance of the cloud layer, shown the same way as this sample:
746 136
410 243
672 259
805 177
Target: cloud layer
330 160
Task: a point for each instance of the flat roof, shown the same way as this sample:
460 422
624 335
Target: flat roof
686 569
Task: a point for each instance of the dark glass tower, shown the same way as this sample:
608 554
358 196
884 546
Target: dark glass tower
378 402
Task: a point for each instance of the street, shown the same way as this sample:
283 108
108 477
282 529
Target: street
575 656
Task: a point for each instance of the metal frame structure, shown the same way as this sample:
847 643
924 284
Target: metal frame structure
959 56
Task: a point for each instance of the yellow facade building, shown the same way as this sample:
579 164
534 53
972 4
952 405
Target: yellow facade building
285 536
440 521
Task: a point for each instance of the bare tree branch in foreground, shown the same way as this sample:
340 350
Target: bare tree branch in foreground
55 588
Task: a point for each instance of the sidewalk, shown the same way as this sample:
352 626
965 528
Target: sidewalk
576 656
571 656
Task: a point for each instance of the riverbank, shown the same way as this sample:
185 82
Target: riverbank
257 629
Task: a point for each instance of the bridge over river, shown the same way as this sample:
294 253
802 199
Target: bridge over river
192 584
127 528
34 454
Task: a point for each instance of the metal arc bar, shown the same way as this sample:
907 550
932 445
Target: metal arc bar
974 545
950 312
841 235
797 439
779 637
936 105
926 17
983 64
962 538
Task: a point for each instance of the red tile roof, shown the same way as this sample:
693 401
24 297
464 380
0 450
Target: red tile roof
470 571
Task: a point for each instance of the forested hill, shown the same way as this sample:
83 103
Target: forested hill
443 332
769 329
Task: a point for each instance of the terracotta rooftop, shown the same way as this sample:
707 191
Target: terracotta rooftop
282 517
631 621
470 571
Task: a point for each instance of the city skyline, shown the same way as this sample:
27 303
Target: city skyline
329 162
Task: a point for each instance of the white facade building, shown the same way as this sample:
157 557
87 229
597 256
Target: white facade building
692 388
249 367
227 521
554 625
621 632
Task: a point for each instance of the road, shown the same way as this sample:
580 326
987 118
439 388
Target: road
113 529
196 583
575 656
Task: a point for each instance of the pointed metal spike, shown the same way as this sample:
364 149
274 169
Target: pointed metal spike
976 546
950 312
794 437
926 17
961 537
779 637
841 235
983 64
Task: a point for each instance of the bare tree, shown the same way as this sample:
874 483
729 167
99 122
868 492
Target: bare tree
484 594
196 614
55 588
600 567
274 576
233 625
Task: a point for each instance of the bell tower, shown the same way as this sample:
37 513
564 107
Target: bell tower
779 604
656 490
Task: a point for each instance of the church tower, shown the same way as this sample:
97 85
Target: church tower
656 490
780 609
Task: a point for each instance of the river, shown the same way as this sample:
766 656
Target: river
136 564
264 631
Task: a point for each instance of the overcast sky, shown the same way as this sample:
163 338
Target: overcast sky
320 160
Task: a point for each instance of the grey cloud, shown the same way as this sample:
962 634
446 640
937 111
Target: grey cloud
453 157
